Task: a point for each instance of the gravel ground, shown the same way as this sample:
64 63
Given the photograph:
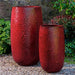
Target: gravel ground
9 67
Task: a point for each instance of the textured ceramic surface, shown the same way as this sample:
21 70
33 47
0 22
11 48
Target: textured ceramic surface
25 23
51 47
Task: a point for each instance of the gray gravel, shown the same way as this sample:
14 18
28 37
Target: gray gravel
9 67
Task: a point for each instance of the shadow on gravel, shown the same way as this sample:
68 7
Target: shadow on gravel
68 69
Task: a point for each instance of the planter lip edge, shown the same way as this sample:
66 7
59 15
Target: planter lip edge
28 6
51 25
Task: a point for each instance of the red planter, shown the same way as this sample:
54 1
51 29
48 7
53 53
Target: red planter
25 23
51 47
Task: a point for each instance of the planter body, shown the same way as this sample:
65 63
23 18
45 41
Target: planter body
51 47
25 23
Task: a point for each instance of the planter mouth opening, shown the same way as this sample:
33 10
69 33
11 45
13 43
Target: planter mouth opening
52 25
26 6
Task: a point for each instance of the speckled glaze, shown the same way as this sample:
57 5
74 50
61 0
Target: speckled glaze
51 47
25 23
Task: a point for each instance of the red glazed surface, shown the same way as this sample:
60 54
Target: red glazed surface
25 23
51 47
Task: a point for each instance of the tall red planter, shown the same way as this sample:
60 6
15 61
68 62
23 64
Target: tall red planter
51 47
25 23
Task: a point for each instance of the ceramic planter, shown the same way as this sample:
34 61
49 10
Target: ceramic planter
51 47
25 23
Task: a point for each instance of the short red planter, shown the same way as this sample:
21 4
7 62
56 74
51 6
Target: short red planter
51 47
25 23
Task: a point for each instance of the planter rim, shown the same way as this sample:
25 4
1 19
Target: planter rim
51 25
26 6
